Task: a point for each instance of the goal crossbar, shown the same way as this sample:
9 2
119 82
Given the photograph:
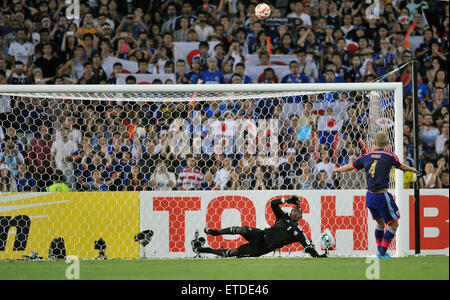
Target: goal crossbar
192 88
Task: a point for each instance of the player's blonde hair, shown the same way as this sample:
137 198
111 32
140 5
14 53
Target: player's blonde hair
381 139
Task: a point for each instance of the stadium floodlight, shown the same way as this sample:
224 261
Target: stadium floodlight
261 109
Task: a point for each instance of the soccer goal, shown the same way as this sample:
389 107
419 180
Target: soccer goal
174 159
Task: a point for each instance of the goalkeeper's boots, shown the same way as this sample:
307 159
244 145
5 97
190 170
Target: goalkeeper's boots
211 231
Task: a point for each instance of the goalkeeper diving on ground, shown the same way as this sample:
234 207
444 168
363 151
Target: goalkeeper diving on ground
284 231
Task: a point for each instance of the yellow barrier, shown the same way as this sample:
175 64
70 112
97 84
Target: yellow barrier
79 218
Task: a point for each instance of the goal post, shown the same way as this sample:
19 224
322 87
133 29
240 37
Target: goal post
253 128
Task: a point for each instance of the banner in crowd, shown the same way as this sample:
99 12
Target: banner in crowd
275 59
256 73
146 78
329 123
176 216
188 50
128 66
30 221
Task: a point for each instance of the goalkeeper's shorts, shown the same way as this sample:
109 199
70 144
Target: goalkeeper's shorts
256 245
382 205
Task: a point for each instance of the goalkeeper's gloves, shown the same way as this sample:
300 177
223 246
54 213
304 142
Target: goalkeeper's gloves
293 200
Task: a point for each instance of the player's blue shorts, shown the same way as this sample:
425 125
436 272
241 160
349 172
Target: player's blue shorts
382 205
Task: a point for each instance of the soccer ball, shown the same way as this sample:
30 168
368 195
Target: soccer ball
327 240
262 10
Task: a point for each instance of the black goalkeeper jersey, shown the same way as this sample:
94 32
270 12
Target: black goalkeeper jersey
282 232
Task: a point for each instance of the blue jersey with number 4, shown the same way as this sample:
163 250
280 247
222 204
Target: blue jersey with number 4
378 165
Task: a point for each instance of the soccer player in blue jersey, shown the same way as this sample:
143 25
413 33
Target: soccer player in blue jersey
377 165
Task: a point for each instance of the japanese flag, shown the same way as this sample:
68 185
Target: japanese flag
223 128
329 123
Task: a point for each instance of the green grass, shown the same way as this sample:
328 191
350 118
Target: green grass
412 267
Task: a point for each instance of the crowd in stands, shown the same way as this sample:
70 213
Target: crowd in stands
92 145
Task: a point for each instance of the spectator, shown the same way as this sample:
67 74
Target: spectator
305 181
162 179
47 62
117 69
298 11
97 68
88 27
170 19
11 134
222 176
268 76
289 171
190 177
186 11
212 74
88 75
208 184
135 180
61 155
11 157
295 76
181 76
194 73
354 72
97 183
143 67
25 183
75 67
21 50
202 28
259 182
428 133
7 182
326 165
160 58
39 154
18 74
430 179
321 182
182 34
441 139
306 65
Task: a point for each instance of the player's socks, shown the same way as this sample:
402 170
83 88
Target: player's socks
387 239
379 232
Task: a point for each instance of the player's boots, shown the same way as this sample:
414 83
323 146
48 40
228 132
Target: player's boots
385 256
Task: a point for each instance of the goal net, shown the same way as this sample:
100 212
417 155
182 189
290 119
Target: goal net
84 162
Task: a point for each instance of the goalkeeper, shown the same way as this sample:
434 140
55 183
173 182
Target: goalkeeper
284 231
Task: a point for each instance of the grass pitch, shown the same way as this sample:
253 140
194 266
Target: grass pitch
333 268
